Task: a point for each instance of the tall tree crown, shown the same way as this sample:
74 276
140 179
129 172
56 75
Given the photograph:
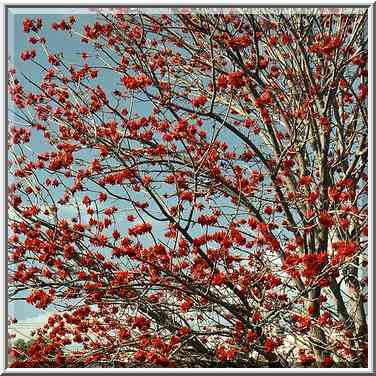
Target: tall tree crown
190 189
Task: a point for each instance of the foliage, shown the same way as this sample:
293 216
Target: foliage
191 190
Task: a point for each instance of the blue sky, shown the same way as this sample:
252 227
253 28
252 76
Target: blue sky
57 41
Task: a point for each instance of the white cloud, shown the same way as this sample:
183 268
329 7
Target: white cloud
23 328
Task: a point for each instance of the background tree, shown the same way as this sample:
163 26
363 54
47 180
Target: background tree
191 190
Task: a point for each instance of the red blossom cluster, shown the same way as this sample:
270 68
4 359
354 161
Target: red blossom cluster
117 178
343 249
140 229
240 41
305 359
138 82
28 54
327 45
226 353
312 264
32 24
139 322
326 219
64 25
40 298
199 101
303 322
271 344
19 135
60 160
207 220
186 305
233 79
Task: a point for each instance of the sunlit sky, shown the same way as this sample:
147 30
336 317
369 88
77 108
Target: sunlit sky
57 42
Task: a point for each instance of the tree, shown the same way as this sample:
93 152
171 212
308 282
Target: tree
191 189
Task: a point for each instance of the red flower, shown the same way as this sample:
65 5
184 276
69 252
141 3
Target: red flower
199 101
33 40
252 223
141 323
326 219
110 211
344 223
39 298
186 305
327 361
239 41
86 201
251 336
306 359
235 79
218 279
359 60
264 99
27 25
268 210
184 330
31 211
334 194
343 249
273 40
222 81
305 180
186 196
312 197
270 345
256 317
286 39
27 55
263 62
123 334
325 122
138 82
224 354
96 165
53 60
207 220
140 229
325 318
102 197
100 240
363 91
93 73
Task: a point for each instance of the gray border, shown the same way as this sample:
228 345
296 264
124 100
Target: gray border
372 101
6 310
371 8
188 5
